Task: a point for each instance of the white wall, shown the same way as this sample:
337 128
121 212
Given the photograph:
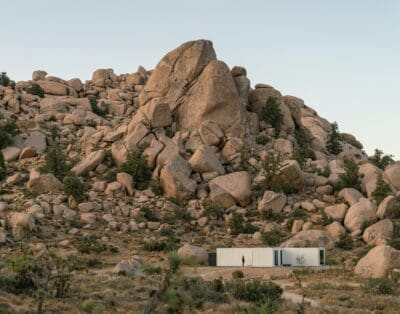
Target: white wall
301 256
233 256
263 257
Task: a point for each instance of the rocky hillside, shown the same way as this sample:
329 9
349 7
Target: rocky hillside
154 159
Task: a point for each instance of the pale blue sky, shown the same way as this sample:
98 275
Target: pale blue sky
341 57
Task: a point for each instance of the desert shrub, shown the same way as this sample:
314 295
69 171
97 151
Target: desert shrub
271 165
95 108
136 165
156 187
8 129
349 179
24 268
148 214
254 291
238 225
304 151
378 286
381 191
154 246
237 274
174 261
151 270
92 307
262 139
345 242
296 214
325 219
395 212
381 160
213 211
3 169
395 241
188 294
271 215
326 172
35 89
271 238
272 114
4 79
90 244
244 161
269 307
169 132
56 162
333 145
73 186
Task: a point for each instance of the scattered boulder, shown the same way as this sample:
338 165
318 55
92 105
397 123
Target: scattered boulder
310 238
231 188
378 262
43 183
387 206
37 140
360 213
272 201
392 175
336 212
291 175
351 196
92 161
205 160
335 230
174 179
383 229
132 267
20 224
127 181
190 253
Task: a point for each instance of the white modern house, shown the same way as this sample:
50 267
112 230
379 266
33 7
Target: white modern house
269 257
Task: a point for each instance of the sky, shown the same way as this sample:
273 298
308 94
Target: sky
342 57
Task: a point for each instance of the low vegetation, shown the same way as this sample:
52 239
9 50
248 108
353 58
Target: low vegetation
73 186
381 160
56 162
238 225
3 169
350 179
381 191
8 129
271 238
95 108
333 144
272 114
136 165
35 89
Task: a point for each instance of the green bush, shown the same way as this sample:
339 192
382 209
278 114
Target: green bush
73 186
148 214
254 291
237 225
213 211
304 151
262 139
271 113
4 79
350 179
136 165
271 165
395 211
151 270
271 215
90 244
8 129
381 160
188 294
95 108
244 161
237 274
395 241
56 163
381 191
333 144
156 187
167 245
345 242
35 89
92 307
379 286
174 261
271 238
3 169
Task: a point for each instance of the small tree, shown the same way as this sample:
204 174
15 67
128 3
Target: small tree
350 179
4 79
36 89
74 187
95 108
3 169
56 162
381 191
271 165
381 160
8 129
333 144
136 165
272 114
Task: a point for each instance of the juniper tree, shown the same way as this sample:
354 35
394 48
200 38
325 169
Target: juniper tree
333 144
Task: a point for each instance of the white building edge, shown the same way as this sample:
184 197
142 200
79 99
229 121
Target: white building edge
270 257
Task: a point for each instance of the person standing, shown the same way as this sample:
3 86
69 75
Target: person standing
243 260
